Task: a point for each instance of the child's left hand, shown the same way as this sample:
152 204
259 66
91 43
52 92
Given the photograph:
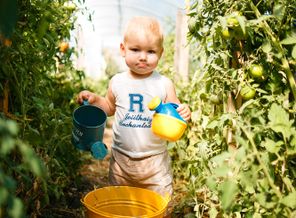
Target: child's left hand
184 111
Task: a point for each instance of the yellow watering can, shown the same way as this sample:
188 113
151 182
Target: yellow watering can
166 122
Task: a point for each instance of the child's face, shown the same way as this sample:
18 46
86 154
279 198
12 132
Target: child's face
142 53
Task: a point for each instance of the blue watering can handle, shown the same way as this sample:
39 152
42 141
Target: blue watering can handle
85 102
174 105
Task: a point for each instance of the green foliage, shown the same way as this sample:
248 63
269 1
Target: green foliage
37 86
8 16
239 154
18 159
166 62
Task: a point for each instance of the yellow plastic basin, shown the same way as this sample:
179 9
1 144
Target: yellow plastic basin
168 127
123 202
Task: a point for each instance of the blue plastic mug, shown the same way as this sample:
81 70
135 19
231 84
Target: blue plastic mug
89 124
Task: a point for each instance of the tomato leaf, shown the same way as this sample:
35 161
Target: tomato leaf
213 124
272 146
293 141
3 195
289 200
279 120
289 40
7 145
16 209
279 11
266 47
223 22
213 212
293 54
36 165
229 189
222 171
220 159
241 20
211 183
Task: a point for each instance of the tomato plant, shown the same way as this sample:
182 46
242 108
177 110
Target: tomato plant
37 88
238 157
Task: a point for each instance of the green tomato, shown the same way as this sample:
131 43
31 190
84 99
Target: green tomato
247 92
226 34
257 72
232 22
215 99
192 26
203 96
70 6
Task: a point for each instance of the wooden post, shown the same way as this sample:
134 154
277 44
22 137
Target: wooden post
181 56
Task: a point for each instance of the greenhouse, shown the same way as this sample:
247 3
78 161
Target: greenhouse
147 109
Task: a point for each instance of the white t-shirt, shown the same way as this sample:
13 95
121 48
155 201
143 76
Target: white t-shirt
132 133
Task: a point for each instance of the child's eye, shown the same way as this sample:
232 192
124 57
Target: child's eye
134 49
151 52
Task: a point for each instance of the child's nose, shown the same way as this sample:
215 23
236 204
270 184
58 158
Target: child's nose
143 55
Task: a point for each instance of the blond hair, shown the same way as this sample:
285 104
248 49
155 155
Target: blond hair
149 26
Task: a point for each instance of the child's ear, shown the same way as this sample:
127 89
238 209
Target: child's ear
122 50
161 52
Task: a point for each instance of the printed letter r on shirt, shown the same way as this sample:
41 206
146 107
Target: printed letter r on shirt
136 99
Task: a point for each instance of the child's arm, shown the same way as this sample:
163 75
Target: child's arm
107 103
183 109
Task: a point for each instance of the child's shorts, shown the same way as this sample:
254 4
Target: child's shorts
153 172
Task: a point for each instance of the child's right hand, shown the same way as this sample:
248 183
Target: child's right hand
86 95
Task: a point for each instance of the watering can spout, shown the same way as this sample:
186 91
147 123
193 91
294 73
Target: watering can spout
99 150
